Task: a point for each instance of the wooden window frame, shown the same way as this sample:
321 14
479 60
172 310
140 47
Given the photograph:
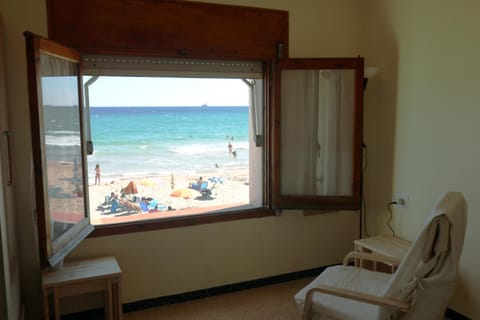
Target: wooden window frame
318 202
172 29
188 29
53 251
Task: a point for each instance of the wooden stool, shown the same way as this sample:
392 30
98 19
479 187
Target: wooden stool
85 276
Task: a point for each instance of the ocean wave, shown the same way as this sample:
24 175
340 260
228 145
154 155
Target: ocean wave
54 140
130 174
200 148
166 140
124 167
64 132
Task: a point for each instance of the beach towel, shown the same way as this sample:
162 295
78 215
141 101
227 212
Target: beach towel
143 206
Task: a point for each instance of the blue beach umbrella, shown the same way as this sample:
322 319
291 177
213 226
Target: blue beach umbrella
216 180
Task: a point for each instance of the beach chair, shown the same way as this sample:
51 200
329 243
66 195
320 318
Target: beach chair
198 185
152 205
121 205
116 206
207 192
204 190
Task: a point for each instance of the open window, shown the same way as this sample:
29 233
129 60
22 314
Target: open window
304 115
318 133
183 120
63 142
58 148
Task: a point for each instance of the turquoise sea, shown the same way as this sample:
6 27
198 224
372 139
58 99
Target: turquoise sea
146 141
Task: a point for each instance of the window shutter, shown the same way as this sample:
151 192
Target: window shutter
165 67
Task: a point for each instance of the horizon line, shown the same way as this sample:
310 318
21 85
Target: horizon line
183 106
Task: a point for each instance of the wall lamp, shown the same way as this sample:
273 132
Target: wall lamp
369 73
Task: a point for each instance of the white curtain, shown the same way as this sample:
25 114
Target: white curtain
317 132
298 131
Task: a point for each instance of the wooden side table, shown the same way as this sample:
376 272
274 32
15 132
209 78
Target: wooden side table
384 245
85 276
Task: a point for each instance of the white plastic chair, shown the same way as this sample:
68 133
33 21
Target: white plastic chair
419 289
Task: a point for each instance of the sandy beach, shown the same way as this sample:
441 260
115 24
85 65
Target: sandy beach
233 190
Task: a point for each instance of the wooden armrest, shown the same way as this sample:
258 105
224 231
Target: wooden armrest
353 295
371 257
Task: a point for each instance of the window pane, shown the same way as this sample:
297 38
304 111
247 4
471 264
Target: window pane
162 136
62 138
317 121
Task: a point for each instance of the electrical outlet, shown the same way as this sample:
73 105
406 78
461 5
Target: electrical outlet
402 200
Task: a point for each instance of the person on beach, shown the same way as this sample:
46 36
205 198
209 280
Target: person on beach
230 147
97 174
196 185
109 199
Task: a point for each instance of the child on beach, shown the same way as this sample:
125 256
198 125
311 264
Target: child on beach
97 174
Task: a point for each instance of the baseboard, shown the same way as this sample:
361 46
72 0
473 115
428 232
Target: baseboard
183 297
98 314
203 293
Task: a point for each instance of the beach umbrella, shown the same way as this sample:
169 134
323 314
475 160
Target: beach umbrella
131 188
216 179
185 193
148 183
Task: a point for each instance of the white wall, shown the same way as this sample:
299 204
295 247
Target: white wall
422 116
169 261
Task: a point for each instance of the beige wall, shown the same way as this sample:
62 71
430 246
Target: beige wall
420 132
312 22
9 269
422 117
170 261
19 16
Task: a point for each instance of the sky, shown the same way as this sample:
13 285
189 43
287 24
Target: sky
148 91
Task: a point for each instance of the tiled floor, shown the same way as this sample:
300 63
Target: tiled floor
268 302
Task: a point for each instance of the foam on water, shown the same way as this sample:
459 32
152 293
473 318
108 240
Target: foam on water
149 141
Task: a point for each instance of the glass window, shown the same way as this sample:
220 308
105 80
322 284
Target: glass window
165 150
319 114
57 144
185 144
62 134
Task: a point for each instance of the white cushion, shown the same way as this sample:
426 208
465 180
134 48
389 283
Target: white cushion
350 278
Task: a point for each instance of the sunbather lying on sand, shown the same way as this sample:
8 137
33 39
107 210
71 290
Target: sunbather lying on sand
130 205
